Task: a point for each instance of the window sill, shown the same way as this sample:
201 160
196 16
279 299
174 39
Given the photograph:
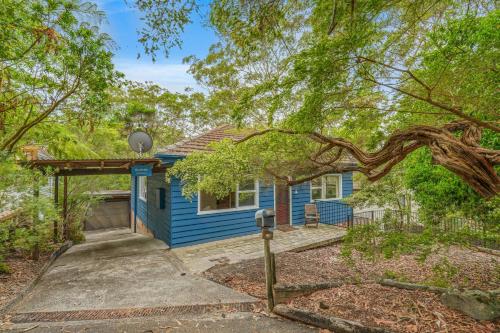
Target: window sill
332 199
229 210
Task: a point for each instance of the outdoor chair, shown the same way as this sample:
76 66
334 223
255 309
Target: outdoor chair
311 215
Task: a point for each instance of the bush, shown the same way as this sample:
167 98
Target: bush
443 273
4 268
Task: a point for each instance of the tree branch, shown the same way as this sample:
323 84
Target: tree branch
462 156
428 99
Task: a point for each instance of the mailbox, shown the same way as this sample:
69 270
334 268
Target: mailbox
265 218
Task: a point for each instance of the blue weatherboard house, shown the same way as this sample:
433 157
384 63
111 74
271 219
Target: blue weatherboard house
162 212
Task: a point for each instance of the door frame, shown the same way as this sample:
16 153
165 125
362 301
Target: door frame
290 200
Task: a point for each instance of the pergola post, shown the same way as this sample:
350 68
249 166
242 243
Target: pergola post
65 207
56 205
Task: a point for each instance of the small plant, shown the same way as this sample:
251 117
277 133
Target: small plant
392 275
443 273
363 239
4 268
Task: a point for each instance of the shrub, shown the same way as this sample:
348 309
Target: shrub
442 274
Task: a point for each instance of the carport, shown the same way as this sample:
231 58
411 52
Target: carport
88 167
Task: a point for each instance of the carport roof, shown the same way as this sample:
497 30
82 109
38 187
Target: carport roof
93 166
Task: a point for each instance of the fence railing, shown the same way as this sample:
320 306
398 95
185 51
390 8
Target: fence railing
335 212
474 232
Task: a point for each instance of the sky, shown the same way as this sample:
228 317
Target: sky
122 24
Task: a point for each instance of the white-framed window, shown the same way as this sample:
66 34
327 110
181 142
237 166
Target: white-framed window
245 196
143 187
327 187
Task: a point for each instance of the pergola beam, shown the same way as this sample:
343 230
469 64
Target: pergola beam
93 167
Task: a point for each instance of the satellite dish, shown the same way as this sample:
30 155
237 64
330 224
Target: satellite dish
140 142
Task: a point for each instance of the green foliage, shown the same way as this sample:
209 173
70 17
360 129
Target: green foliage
294 65
164 23
440 193
4 268
388 274
389 192
442 274
229 164
30 232
71 58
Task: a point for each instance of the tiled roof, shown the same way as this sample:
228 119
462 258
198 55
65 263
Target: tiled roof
200 143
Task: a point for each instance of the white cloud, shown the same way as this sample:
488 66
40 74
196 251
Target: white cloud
173 77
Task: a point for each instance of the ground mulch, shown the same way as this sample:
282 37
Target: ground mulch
476 270
361 298
391 308
23 272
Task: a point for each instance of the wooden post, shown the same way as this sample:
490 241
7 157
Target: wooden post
56 205
273 267
267 236
36 248
65 207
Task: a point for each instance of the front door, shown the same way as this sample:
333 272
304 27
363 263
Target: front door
282 202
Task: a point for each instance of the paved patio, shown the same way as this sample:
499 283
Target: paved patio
199 258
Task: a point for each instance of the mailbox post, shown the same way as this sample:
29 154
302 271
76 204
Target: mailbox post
265 220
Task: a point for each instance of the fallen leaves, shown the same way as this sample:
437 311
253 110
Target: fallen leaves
391 308
23 271
370 303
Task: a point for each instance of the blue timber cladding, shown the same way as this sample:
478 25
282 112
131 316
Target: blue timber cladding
301 195
188 227
158 220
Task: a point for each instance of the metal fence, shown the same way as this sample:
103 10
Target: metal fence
335 212
474 232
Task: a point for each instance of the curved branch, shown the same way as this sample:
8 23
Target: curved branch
462 156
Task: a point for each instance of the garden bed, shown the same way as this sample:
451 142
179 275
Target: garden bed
362 299
473 269
22 272
398 310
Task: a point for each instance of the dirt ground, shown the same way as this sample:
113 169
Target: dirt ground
362 299
23 271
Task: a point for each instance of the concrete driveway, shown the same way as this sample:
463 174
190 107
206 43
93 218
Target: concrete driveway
117 269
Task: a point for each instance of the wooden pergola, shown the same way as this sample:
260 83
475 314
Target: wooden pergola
93 167
66 168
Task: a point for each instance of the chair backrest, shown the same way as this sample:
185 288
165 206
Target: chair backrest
311 210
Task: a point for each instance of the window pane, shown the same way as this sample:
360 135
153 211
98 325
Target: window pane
316 182
210 202
247 199
332 187
247 185
316 193
143 187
